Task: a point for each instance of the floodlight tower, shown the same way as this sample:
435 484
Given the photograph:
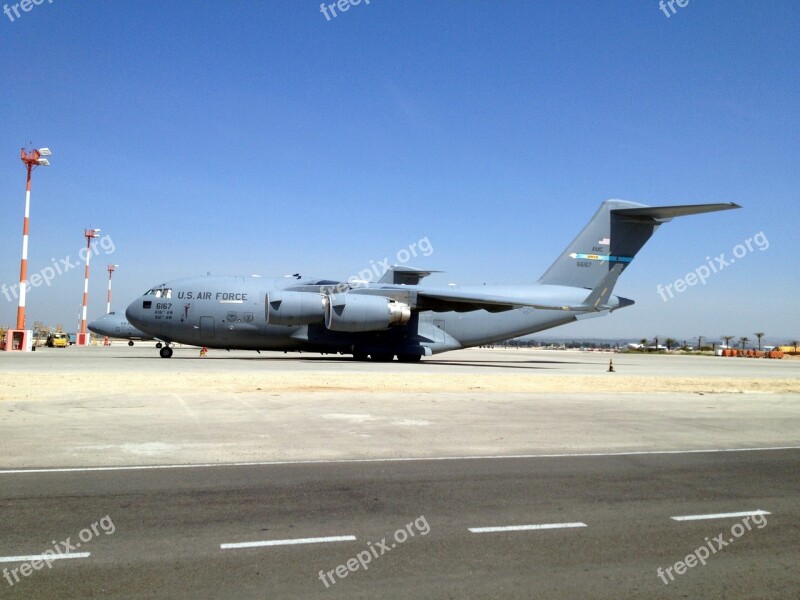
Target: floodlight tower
83 337
20 338
111 269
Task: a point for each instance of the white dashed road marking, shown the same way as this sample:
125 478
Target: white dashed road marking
290 542
45 557
526 527
733 515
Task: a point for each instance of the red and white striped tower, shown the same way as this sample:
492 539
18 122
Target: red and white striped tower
83 337
19 339
110 271
108 301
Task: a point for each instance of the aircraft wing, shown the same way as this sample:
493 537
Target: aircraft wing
467 301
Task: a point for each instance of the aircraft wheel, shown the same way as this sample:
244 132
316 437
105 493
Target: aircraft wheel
408 358
130 342
360 356
166 352
158 344
382 357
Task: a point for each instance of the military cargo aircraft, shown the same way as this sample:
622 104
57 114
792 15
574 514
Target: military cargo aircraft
395 316
115 325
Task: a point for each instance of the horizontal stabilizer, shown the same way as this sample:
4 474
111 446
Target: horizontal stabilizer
663 213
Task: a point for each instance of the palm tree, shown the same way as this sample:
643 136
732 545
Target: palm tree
643 342
743 341
728 339
794 343
759 336
669 342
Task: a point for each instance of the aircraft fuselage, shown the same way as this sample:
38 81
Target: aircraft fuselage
231 312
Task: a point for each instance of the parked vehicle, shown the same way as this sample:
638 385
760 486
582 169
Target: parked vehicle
57 340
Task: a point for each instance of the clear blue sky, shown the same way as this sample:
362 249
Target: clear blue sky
259 137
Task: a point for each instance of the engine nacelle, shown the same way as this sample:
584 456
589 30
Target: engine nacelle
295 308
361 312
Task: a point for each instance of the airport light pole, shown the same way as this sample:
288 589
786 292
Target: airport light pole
83 337
20 338
111 269
108 305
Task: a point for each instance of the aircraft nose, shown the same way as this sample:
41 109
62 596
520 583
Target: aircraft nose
95 327
136 313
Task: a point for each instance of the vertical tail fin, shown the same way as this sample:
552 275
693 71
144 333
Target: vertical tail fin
611 239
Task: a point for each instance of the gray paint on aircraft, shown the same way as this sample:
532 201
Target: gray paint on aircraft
396 316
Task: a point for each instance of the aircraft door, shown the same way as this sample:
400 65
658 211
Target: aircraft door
206 328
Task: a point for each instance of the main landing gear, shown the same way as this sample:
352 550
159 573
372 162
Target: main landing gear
165 352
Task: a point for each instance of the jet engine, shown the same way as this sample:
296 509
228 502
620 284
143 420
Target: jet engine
362 312
295 308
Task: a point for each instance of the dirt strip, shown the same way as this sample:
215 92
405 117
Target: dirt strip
33 386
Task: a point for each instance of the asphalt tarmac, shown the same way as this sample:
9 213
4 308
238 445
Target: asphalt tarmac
170 525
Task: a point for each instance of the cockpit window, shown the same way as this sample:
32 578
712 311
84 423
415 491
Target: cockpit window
160 292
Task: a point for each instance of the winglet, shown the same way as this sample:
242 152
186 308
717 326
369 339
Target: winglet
400 275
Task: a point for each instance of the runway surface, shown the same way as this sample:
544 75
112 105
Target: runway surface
169 526
195 484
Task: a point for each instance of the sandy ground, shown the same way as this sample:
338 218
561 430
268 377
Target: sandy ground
125 406
59 385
